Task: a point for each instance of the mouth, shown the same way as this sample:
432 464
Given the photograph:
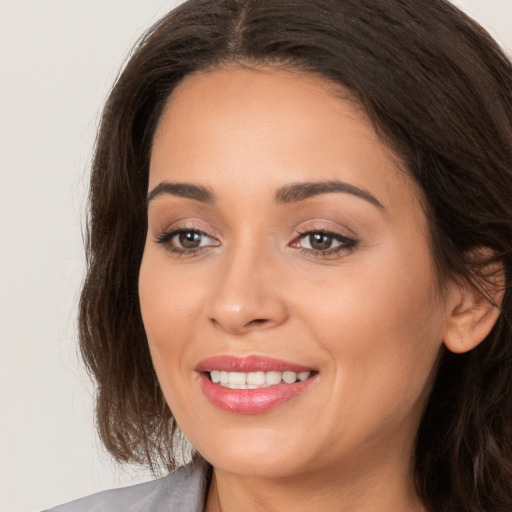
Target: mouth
252 384
256 380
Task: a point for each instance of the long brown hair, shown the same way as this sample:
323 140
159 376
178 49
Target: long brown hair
438 90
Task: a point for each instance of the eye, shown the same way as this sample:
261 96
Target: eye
319 241
186 241
323 243
189 239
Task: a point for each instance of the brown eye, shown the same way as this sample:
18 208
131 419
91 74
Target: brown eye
186 241
324 243
189 239
320 241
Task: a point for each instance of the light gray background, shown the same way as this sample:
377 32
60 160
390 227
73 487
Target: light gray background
58 59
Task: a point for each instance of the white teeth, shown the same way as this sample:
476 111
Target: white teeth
254 380
273 378
289 377
237 379
303 376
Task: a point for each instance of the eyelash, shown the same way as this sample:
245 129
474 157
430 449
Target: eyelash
346 244
166 237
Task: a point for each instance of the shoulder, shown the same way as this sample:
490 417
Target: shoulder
183 490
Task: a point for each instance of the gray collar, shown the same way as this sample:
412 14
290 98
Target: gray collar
183 490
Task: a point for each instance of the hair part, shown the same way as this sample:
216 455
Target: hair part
438 91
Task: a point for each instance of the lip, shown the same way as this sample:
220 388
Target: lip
251 363
250 401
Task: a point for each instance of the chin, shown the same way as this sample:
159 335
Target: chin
263 458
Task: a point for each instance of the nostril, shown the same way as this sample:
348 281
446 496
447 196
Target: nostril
258 321
238 326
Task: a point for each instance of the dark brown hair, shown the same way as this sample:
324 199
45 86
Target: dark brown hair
439 92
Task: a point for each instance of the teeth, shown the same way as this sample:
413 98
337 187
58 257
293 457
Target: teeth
273 378
254 380
289 377
237 379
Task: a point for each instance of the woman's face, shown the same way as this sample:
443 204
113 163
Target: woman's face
286 253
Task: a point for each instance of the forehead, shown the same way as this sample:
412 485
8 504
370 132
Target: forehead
270 125
260 97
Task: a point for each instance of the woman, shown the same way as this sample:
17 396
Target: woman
300 254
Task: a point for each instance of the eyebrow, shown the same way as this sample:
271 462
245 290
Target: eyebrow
186 190
300 191
291 193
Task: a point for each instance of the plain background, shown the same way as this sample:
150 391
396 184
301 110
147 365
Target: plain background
58 59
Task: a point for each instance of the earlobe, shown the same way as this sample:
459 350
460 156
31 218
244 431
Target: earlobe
473 313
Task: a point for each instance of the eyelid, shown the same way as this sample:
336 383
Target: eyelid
346 244
186 224
165 236
333 234
183 229
327 226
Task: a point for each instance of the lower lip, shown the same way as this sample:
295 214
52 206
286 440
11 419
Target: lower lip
251 401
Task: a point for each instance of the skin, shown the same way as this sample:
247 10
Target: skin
369 318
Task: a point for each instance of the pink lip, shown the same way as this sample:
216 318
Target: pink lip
250 401
229 363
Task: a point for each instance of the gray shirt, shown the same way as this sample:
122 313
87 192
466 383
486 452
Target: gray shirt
183 490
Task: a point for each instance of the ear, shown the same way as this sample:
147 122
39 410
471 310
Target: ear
474 309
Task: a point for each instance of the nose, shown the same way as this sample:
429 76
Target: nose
248 294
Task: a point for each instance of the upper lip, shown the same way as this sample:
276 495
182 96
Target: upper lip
249 363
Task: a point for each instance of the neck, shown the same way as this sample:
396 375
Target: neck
382 490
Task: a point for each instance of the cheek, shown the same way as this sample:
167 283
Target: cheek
383 331
169 315
169 301
165 311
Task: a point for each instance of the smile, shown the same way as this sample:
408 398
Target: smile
256 380
252 384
